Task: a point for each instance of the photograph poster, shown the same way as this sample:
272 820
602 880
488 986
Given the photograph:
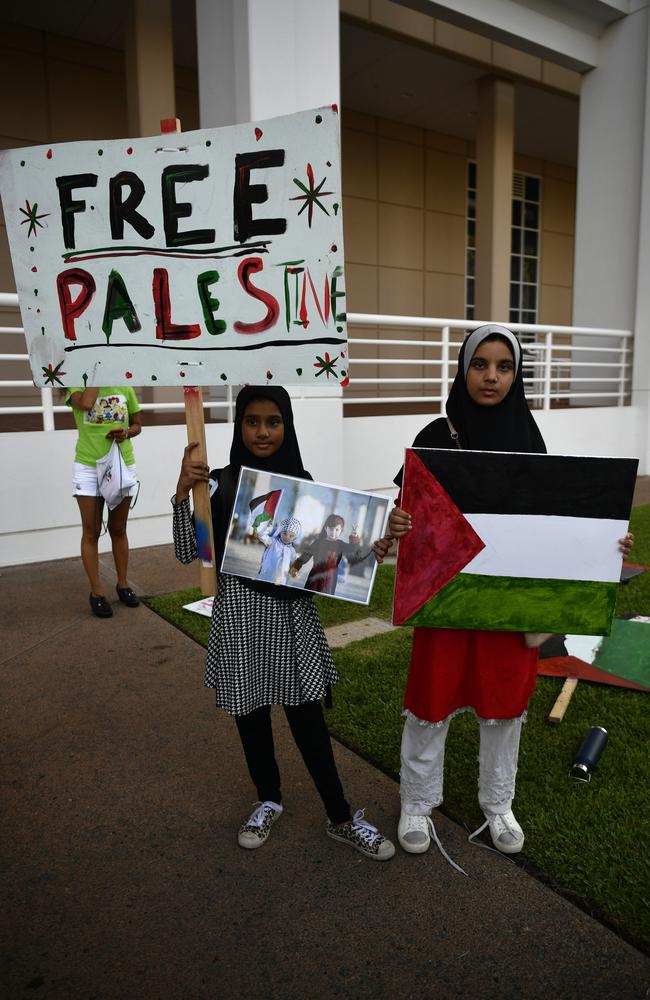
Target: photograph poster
306 535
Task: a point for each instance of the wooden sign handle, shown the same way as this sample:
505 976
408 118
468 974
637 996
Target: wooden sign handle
195 421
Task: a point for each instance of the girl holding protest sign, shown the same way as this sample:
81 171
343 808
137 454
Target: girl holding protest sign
266 644
489 673
103 415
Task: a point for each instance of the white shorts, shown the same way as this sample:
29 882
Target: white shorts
84 480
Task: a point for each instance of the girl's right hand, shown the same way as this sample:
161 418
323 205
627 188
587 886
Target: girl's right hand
192 472
399 523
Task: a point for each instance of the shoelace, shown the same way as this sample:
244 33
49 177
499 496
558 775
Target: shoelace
479 843
258 817
433 833
365 829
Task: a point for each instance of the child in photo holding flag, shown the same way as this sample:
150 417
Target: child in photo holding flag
267 645
279 552
455 670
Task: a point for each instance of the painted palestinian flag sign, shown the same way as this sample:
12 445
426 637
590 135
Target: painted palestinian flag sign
263 508
512 542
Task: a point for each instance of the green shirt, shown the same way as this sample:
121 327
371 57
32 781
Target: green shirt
111 409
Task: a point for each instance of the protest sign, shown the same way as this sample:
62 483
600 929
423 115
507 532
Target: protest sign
202 258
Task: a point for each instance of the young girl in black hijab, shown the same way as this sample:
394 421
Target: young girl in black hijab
266 644
453 670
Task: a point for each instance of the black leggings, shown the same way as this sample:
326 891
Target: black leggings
312 739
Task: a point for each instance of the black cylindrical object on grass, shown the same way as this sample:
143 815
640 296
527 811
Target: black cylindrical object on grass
589 753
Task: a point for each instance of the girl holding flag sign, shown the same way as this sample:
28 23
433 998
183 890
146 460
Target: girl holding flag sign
453 670
267 645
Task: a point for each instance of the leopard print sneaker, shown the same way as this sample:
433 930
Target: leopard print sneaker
358 833
255 831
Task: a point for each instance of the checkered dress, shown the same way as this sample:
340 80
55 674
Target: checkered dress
261 650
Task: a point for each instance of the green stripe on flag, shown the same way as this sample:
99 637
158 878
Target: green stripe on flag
626 653
519 604
261 518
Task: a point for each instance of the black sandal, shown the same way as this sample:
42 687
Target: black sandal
100 606
128 597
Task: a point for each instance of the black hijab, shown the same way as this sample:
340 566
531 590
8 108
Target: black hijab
508 426
285 461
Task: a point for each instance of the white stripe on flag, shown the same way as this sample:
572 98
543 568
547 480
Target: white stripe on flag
546 547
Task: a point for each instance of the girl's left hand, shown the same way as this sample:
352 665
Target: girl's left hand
625 544
381 547
118 434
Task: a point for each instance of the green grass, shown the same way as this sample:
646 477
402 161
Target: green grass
589 841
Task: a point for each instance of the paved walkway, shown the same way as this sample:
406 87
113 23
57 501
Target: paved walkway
123 789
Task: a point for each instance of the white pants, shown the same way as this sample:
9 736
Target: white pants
423 758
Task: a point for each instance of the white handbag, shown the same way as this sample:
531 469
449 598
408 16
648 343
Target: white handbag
114 479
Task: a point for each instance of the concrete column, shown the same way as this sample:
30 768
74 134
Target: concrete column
258 59
149 53
494 164
641 375
609 189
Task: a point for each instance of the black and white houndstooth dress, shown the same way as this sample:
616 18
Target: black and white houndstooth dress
261 650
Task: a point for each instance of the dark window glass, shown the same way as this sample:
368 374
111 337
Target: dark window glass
471 175
513 317
530 242
528 317
470 291
531 188
516 241
529 270
471 205
471 254
516 213
515 268
531 216
514 296
529 296
471 230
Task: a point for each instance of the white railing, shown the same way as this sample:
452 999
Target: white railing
552 372
555 371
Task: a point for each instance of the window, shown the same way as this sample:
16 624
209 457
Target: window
470 241
524 255
524 249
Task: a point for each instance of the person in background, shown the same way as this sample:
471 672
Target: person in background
103 414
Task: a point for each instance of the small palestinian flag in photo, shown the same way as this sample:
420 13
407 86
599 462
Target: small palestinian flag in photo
512 542
263 508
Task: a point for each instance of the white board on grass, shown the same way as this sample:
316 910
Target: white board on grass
205 257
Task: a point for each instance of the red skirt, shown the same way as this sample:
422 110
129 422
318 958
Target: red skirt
451 669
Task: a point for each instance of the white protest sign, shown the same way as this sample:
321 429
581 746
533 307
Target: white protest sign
203 257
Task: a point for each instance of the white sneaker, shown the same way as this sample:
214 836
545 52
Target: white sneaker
255 831
413 833
507 835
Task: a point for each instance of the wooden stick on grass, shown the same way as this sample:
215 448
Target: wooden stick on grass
559 708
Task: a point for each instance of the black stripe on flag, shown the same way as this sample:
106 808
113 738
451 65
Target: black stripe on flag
487 482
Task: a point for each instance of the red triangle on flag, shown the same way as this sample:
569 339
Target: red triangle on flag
440 543
572 666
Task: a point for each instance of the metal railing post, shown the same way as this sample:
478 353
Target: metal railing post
623 363
548 348
444 372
